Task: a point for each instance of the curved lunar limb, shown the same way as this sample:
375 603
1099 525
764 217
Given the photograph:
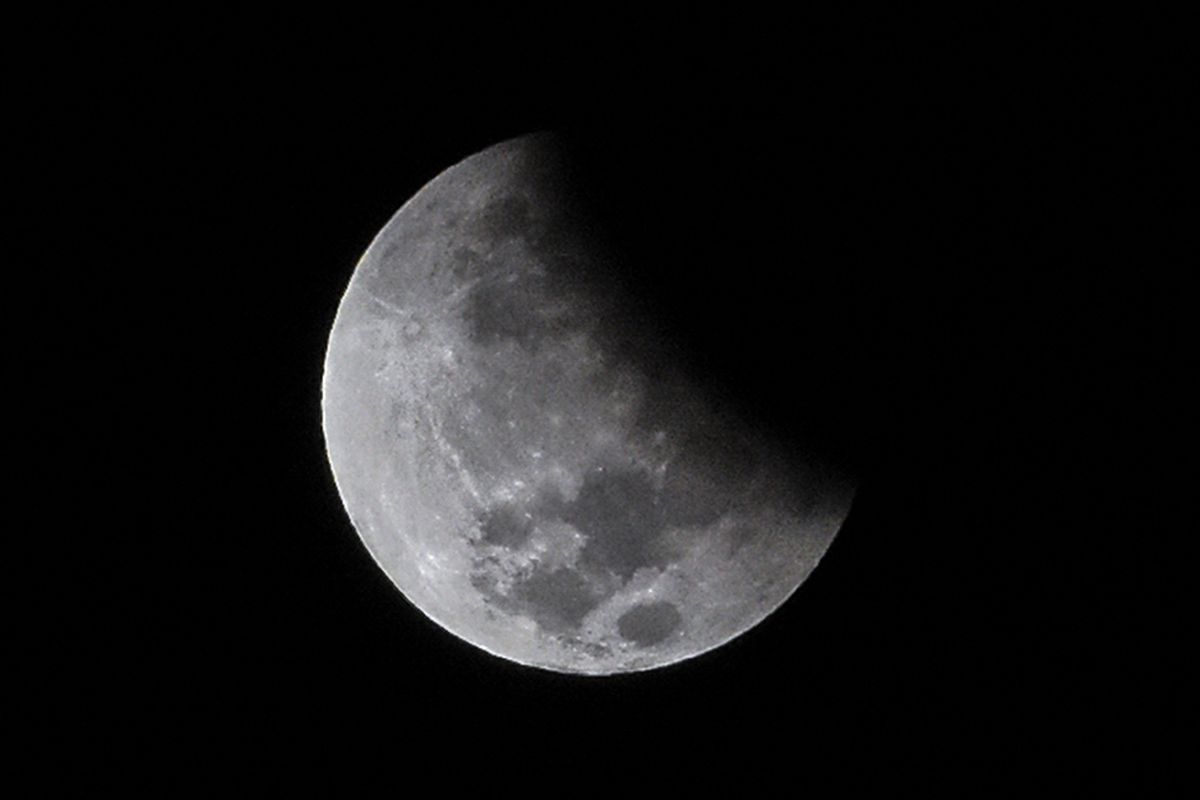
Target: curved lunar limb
517 451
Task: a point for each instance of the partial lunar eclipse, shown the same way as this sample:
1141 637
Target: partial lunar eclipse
519 452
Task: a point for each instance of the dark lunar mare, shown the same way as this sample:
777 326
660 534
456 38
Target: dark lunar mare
506 525
619 513
648 624
558 599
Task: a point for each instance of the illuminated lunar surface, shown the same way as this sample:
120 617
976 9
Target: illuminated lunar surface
515 445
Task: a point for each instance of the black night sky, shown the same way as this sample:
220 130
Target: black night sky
956 266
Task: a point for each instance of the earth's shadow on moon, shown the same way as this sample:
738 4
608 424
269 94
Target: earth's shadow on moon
756 271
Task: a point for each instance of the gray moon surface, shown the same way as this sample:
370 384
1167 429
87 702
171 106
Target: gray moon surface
517 450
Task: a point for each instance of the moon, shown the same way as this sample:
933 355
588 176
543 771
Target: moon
524 455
